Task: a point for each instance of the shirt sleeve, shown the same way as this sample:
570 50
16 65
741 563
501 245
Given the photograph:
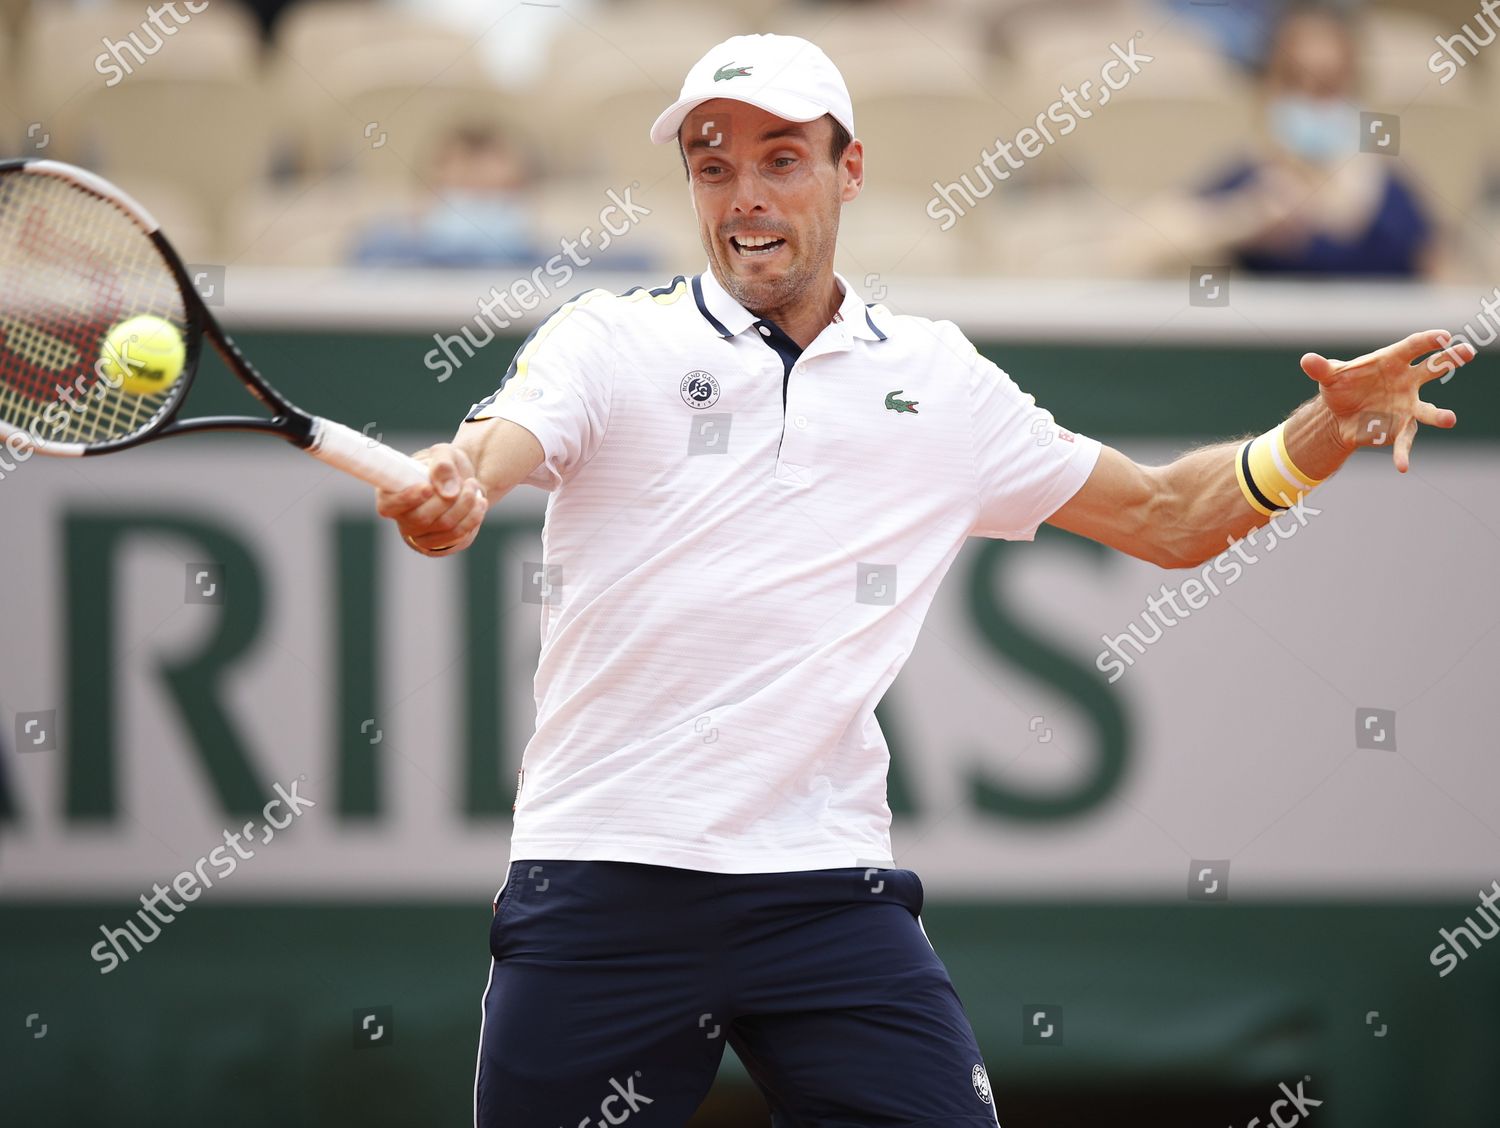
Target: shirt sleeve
1025 464
558 387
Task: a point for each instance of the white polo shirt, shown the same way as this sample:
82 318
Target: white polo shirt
733 585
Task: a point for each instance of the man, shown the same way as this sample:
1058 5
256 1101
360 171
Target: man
756 485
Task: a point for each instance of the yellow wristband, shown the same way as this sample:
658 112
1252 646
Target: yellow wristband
1258 501
1267 476
1286 465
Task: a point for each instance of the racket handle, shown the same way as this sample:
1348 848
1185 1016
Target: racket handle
363 457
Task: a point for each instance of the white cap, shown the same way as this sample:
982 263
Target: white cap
782 74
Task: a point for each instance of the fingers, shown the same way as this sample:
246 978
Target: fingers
1402 451
1446 356
1453 356
1320 368
396 505
441 544
1420 344
448 468
1432 416
439 517
442 514
1426 413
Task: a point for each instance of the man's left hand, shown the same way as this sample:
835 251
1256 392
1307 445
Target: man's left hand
1375 399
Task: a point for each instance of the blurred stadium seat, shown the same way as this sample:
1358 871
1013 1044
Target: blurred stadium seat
1066 232
121 129
62 49
919 126
12 128
888 233
312 32
1134 145
865 38
607 136
634 59
669 235
202 79
330 59
309 224
1031 34
395 103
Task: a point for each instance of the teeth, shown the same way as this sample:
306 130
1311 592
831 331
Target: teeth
756 240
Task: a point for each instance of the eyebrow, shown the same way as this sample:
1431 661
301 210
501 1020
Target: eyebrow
797 131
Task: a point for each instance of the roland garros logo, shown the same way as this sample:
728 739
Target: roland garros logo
700 389
981 1081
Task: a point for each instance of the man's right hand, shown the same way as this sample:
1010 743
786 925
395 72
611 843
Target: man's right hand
442 515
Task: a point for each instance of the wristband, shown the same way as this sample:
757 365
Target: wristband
1269 479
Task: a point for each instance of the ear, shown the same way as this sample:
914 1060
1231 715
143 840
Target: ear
852 170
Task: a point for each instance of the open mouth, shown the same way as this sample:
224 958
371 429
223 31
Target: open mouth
756 246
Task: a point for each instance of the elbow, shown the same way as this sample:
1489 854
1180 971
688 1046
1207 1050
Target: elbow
1171 558
1194 549
1181 560
1190 550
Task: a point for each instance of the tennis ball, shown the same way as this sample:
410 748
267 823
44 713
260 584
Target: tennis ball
144 355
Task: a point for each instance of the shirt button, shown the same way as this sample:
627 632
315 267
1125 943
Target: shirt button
801 422
765 330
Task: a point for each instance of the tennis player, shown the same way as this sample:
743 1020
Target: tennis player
756 483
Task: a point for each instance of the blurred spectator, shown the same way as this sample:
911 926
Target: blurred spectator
1307 204
1243 30
478 216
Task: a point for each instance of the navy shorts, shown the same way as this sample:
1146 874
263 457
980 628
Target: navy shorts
614 987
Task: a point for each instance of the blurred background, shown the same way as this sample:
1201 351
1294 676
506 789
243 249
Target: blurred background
1161 898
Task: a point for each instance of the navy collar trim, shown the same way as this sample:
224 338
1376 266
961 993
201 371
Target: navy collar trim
742 317
703 308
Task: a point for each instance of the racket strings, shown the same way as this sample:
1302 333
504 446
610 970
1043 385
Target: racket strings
72 265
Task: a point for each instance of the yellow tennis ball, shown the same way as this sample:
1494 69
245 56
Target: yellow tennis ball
144 355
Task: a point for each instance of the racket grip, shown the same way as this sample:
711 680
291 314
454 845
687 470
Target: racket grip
365 458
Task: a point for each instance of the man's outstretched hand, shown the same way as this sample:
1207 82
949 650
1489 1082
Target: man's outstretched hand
1375 399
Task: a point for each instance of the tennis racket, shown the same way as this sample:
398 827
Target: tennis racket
78 257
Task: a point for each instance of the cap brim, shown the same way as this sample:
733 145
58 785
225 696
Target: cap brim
785 106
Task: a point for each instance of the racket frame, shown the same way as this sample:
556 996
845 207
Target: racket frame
287 421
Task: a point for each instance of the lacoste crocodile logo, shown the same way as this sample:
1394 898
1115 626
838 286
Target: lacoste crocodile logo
729 70
900 405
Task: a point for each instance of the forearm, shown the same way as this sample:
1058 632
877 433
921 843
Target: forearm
1204 506
1183 514
503 454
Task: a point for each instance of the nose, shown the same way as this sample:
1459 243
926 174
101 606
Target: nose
748 197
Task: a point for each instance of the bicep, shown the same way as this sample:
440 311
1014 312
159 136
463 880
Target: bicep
1116 506
504 453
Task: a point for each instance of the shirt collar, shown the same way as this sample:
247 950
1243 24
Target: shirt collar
730 319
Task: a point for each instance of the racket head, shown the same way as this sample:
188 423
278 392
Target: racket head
78 257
